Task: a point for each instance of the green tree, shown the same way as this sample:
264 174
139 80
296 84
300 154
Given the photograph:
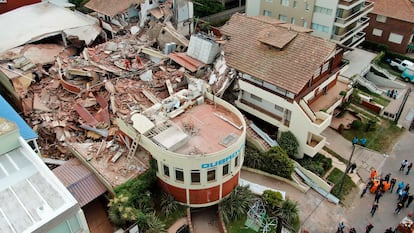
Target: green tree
168 204
289 143
253 157
285 211
206 7
236 204
121 212
277 162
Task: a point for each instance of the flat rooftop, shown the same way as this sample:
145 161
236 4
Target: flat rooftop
211 128
30 194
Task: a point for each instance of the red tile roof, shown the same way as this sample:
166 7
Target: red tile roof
397 9
290 67
111 7
80 182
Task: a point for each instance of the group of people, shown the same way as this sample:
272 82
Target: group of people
368 228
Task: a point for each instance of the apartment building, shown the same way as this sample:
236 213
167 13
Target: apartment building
392 24
287 77
341 21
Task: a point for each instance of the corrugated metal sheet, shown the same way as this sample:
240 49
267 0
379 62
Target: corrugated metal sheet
80 182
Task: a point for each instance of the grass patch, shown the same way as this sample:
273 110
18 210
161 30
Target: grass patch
336 155
379 99
336 177
381 139
238 226
319 164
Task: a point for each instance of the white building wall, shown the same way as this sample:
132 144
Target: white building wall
324 19
145 7
253 7
300 124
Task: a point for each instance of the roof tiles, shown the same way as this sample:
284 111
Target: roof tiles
290 67
398 9
111 7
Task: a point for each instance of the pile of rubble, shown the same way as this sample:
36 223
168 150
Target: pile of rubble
72 101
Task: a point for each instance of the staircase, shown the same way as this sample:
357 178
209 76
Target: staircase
254 136
383 71
369 85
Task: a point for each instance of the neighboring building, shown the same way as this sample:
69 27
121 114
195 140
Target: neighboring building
8 5
287 78
341 21
116 15
197 141
32 199
7 112
392 24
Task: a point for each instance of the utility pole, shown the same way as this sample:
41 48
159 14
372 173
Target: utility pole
354 141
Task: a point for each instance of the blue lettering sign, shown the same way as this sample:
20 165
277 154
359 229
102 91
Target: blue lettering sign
222 161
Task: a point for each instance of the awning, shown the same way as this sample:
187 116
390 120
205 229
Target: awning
10 114
80 181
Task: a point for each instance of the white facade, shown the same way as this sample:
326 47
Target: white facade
32 199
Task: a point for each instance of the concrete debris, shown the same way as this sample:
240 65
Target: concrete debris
73 100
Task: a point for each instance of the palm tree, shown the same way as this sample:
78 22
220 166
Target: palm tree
236 205
287 215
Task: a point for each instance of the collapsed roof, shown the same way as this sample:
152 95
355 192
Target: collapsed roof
38 21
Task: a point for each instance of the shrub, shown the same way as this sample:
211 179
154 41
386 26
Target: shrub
356 124
318 164
289 143
253 157
272 199
236 204
277 162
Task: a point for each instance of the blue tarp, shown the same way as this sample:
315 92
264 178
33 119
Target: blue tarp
8 112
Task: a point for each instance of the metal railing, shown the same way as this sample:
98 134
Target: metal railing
368 6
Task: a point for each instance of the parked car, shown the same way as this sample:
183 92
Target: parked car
408 74
400 64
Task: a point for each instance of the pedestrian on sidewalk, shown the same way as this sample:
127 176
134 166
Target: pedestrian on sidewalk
378 195
368 228
387 177
403 165
364 191
401 194
393 181
389 230
352 230
399 207
408 168
400 186
407 188
409 200
341 227
374 208
353 166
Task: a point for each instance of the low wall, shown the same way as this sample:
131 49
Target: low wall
297 186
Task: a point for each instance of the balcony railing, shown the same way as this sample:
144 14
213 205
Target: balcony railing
363 23
363 11
356 40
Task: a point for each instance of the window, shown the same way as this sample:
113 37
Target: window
195 176
267 13
322 10
225 169
268 0
211 175
292 20
156 165
295 4
179 174
278 108
255 97
284 2
377 32
236 161
283 18
319 27
381 18
166 170
395 38
307 7
325 67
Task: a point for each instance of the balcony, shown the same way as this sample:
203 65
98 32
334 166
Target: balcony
320 120
349 4
344 22
332 99
356 40
356 31
314 144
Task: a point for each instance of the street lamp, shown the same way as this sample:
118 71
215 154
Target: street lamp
354 142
